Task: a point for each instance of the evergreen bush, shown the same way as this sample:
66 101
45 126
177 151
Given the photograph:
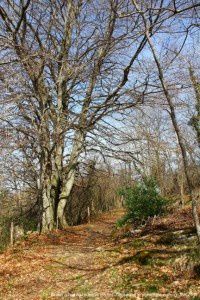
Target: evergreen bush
142 201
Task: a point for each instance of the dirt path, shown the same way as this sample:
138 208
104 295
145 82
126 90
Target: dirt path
88 262
61 264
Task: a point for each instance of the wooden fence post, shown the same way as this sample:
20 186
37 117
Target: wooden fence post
12 234
88 212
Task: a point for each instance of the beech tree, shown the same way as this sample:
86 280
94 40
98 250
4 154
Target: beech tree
67 66
62 71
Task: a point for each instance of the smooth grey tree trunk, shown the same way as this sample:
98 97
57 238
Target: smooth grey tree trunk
69 178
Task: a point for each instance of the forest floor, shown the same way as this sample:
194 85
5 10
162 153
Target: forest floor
97 261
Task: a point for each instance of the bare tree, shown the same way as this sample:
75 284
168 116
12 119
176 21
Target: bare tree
65 70
169 98
65 59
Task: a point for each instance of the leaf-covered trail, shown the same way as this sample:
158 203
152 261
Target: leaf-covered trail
92 262
58 264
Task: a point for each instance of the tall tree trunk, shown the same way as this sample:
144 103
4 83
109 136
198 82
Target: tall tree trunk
178 134
66 190
195 121
69 178
48 208
181 187
51 186
51 170
47 200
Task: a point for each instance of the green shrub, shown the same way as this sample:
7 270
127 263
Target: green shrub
142 201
